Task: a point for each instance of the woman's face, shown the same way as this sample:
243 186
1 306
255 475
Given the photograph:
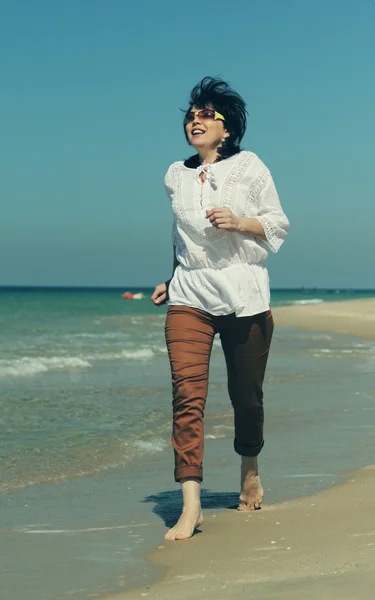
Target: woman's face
205 133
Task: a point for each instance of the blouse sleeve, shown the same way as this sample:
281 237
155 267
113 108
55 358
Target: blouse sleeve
168 181
271 215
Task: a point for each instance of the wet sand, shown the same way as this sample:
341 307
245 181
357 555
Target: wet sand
321 546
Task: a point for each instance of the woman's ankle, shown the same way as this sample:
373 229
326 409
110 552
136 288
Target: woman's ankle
191 493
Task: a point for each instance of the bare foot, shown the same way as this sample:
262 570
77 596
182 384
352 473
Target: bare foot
192 516
190 520
251 488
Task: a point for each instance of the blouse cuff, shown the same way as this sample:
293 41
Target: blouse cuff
273 238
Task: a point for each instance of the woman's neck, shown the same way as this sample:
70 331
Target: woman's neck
207 155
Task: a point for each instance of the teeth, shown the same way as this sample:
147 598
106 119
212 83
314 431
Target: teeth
197 131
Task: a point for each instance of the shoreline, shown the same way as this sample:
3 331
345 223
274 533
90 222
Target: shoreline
305 546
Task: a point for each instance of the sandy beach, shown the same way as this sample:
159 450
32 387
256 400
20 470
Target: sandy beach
320 546
354 317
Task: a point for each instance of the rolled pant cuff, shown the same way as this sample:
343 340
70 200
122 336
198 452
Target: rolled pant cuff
188 471
248 450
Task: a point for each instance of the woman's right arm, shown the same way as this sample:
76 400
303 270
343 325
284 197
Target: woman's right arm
160 295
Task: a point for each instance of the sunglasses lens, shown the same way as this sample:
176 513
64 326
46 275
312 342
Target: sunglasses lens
207 114
189 117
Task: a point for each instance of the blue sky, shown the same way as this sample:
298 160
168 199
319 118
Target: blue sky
90 121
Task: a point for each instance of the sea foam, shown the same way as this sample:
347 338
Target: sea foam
311 301
21 367
32 365
129 353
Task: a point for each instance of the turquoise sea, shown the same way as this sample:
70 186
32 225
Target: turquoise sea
86 471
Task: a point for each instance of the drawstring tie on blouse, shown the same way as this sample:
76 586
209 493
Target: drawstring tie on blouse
208 171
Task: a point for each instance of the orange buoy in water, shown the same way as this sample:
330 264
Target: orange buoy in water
130 296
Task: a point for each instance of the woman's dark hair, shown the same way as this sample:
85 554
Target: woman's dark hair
215 93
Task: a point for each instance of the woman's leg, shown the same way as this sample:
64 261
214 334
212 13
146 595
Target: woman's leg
246 343
189 335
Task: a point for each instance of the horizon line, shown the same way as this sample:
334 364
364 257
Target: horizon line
132 287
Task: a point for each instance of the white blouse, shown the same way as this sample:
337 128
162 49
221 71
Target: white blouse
222 272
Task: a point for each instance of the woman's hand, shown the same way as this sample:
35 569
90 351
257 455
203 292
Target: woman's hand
160 295
222 218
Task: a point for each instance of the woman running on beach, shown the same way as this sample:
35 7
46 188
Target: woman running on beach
226 215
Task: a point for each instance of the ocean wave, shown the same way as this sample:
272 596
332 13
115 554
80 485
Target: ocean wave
130 353
326 353
30 365
110 335
25 366
311 301
140 354
357 351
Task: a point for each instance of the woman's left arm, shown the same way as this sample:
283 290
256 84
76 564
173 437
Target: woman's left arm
269 224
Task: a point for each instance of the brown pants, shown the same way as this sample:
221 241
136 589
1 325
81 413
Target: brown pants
245 341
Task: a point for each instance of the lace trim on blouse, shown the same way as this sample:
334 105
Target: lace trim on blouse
253 193
274 241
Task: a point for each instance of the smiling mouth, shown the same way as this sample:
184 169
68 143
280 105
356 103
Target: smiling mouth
197 132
